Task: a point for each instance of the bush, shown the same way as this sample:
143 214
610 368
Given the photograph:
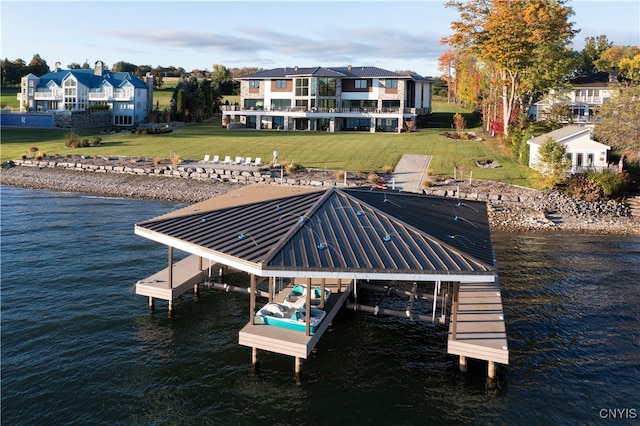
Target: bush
580 187
613 185
72 139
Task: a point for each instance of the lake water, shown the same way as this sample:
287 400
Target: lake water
79 347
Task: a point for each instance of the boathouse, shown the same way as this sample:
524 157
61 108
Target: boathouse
338 240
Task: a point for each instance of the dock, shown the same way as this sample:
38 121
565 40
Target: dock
476 328
290 342
174 280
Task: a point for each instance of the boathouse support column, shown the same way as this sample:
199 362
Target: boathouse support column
170 269
150 302
254 356
491 373
298 365
252 299
323 284
454 310
271 286
308 309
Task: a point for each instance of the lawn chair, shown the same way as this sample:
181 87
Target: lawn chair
238 160
247 161
227 160
206 158
258 162
216 159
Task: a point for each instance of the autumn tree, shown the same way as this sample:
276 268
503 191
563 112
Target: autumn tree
518 37
447 64
624 59
618 120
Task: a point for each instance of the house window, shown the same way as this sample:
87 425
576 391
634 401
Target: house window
589 160
360 84
253 103
280 104
281 84
327 86
254 84
302 87
579 160
391 84
302 104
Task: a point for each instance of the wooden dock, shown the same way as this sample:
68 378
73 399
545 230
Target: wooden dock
477 328
173 281
258 335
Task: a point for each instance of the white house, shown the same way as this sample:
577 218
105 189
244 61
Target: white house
584 153
128 97
330 99
584 95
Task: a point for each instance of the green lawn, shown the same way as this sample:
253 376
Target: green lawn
333 151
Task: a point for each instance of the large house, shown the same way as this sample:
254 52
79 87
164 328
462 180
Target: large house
585 154
330 99
583 96
128 97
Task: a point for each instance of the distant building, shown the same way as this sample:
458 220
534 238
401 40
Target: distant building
128 97
584 96
330 99
585 154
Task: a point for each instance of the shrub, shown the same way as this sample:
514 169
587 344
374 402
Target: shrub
612 184
157 161
580 187
71 138
373 177
340 175
292 167
96 140
84 142
459 122
387 169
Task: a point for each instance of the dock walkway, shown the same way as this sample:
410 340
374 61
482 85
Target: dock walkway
477 329
410 172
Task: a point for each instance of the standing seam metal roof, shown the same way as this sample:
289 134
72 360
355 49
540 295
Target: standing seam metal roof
343 230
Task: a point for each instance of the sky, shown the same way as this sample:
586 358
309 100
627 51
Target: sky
394 35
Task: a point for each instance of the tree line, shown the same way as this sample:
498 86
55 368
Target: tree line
505 55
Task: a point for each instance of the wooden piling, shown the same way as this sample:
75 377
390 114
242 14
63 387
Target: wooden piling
463 364
254 356
491 370
150 302
298 365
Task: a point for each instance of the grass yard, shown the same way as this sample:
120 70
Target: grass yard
332 151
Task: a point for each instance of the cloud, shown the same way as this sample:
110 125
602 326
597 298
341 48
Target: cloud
262 46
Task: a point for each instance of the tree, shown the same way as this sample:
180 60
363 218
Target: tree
624 59
553 162
591 52
618 120
74 66
124 67
13 71
38 66
447 64
517 36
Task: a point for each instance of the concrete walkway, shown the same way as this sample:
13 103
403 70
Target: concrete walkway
410 172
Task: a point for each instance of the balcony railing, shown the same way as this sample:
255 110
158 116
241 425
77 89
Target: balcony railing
388 110
595 100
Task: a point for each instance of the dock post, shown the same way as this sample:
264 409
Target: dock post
195 289
271 286
463 364
170 269
254 356
150 302
298 363
170 305
252 298
492 370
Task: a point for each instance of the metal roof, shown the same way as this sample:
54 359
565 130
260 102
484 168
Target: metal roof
339 233
343 72
89 79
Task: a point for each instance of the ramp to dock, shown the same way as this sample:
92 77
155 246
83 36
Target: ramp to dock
290 342
477 330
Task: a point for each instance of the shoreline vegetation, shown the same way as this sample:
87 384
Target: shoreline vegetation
510 207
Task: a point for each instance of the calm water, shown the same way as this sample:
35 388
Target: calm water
78 347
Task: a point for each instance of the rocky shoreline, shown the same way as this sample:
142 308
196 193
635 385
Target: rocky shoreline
511 208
